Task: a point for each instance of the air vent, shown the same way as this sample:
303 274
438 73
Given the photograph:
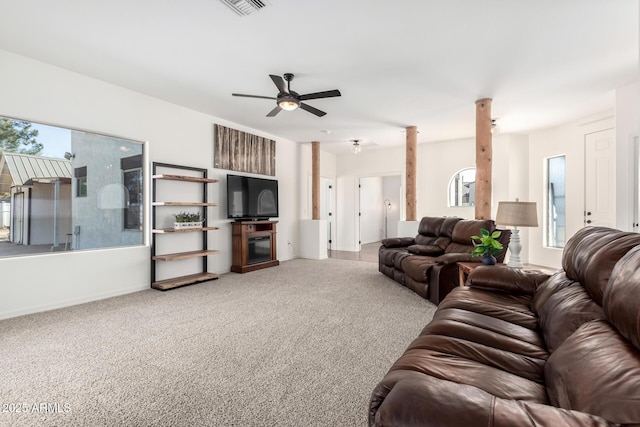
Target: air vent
244 7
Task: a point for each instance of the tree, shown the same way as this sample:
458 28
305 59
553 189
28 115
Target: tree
16 136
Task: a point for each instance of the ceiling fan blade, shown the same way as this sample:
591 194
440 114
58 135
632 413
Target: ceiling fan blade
312 110
275 111
253 96
316 95
279 82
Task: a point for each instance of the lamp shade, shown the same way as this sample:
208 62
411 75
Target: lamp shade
522 214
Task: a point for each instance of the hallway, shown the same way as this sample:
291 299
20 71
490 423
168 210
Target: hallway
369 253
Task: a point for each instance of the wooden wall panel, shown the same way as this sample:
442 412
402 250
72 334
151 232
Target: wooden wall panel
243 152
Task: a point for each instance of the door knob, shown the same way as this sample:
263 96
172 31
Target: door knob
588 221
588 213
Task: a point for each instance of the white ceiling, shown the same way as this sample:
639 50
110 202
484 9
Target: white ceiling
397 63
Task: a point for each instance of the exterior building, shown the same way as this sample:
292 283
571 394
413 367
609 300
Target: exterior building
40 198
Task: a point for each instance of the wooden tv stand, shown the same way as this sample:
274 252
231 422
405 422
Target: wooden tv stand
254 245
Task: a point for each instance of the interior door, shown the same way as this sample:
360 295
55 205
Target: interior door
600 179
326 208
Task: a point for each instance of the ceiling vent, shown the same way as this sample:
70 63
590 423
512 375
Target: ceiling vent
245 7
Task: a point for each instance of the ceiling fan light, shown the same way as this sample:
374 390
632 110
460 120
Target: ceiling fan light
288 103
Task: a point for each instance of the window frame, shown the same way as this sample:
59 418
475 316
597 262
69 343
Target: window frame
550 241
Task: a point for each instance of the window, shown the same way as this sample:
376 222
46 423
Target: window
132 181
81 181
462 188
54 206
556 201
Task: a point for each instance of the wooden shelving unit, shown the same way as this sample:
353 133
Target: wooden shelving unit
203 252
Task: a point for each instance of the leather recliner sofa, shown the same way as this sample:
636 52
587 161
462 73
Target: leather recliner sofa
523 349
426 263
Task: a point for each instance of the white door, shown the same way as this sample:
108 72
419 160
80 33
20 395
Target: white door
327 213
600 179
371 210
326 208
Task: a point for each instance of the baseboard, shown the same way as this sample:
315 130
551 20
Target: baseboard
71 302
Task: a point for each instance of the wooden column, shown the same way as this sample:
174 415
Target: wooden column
411 154
483 158
315 180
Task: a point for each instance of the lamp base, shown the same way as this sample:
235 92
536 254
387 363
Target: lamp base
514 249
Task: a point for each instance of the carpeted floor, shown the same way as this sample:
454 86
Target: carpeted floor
302 344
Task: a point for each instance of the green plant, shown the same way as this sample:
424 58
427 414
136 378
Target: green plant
486 244
188 217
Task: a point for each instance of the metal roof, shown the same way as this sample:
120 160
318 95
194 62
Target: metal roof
17 169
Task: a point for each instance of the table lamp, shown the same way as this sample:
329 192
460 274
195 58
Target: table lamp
516 214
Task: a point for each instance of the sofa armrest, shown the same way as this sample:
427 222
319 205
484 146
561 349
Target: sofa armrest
453 257
506 279
407 398
421 400
398 242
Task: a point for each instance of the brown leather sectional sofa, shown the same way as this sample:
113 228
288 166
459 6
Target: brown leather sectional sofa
426 263
522 349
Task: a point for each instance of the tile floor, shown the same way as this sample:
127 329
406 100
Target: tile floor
369 253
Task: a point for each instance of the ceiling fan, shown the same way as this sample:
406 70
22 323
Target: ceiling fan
290 100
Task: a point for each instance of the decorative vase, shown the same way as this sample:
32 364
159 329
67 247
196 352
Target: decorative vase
488 260
183 225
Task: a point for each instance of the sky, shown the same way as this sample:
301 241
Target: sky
56 140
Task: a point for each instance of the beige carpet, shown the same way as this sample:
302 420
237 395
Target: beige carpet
302 344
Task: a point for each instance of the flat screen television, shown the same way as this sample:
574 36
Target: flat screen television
251 198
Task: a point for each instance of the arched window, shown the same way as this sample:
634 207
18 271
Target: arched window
462 188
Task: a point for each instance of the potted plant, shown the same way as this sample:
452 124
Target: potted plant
486 245
187 220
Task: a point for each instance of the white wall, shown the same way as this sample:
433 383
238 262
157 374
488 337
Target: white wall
391 190
437 163
35 91
627 127
565 140
349 169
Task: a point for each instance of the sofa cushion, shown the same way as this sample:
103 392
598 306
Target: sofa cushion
495 343
398 242
554 284
448 225
622 296
441 241
417 267
430 226
387 256
596 371
462 232
581 247
425 250
500 305
598 269
466 228
428 231
564 312
531 368
466 371
591 254
487 330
